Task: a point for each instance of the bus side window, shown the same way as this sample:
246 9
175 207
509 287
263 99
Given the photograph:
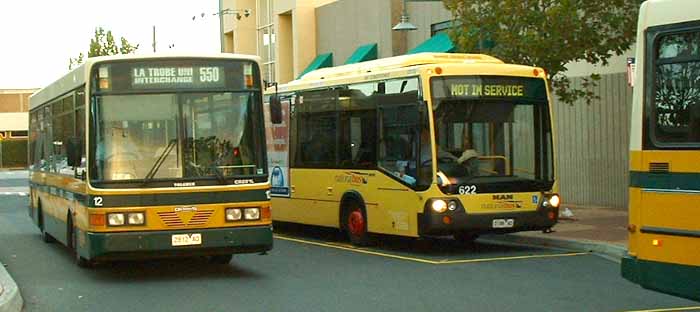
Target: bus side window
358 126
676 113
399 120
316 129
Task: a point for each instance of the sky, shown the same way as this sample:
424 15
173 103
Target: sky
38 37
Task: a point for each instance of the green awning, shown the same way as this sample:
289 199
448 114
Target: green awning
366 52
321 61
439 43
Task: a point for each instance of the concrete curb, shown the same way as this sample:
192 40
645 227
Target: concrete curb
611 251
10 298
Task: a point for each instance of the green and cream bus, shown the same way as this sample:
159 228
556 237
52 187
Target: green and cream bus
152 156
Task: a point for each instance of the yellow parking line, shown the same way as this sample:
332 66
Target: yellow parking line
515 258
420 260
695 308
355 250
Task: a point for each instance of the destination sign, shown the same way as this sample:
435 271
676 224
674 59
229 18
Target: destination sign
177 77
489 87
176 74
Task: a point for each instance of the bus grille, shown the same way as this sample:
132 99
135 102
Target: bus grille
658 167
173 219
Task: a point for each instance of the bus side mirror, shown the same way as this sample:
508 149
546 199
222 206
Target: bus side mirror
74 152
275 109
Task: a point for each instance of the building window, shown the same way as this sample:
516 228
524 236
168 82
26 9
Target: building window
266 38
440 27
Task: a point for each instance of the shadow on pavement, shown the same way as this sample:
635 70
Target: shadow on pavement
431 248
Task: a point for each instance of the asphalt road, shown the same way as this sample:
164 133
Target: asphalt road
312 269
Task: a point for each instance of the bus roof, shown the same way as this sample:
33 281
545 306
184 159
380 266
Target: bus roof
662 12
396 62
403 65
77 76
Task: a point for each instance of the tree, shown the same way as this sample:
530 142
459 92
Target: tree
548 34
103 44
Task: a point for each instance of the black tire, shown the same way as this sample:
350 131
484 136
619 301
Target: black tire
355 224
80 261
220 259
465 237
45 237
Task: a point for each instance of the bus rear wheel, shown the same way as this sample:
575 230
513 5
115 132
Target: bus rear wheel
45 236
356 225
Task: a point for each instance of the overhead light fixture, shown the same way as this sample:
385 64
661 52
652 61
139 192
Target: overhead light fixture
404 24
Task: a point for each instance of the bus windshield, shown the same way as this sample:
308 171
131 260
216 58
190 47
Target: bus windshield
493 133
176 135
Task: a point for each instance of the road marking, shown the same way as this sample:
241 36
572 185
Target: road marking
421 260
695 308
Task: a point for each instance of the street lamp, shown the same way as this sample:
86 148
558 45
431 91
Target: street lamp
404 24
237 13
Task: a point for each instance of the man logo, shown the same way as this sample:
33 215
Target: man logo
503 197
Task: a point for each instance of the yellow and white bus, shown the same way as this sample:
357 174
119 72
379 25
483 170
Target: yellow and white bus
415 145
152 156
664 202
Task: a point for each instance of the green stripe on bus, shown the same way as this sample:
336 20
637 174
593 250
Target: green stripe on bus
665 181
677 279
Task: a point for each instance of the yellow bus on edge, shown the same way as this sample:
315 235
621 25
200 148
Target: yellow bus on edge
414 145
152 156
664 202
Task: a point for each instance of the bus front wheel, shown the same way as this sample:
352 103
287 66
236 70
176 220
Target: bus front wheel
80 261
355 224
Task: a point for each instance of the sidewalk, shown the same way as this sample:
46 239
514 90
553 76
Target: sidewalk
594 229
12 182
10 298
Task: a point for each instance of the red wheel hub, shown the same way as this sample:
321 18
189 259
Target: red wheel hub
356 223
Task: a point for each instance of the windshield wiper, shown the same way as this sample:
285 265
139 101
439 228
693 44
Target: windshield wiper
161 159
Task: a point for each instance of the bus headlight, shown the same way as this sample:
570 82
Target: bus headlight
233 214
115 219
552 201
136 218
252 213
452 205
439 206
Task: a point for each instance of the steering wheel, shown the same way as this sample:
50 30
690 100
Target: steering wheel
441 160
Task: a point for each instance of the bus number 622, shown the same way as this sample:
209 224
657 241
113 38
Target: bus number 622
467 190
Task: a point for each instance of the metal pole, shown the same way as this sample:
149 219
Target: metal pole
154 38
221 24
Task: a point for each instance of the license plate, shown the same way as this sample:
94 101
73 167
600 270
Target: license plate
503 223
187 239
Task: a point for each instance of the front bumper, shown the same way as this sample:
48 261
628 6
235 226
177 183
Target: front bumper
433 224
158 244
